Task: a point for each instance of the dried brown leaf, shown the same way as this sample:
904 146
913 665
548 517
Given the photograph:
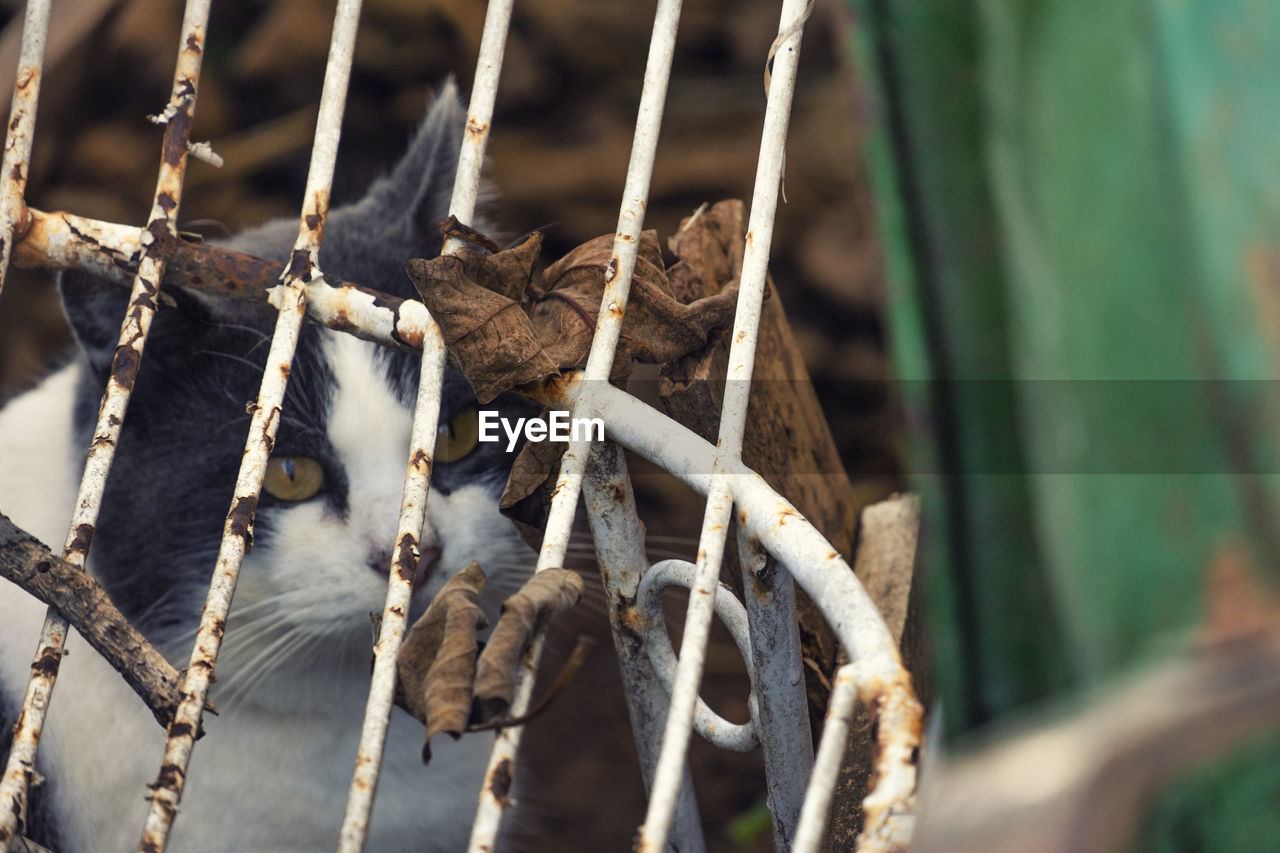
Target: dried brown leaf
437 661
523 616
473 296
526 500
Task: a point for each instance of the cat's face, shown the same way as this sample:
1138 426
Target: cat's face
329 509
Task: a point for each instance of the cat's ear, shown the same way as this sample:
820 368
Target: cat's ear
415 196
95 310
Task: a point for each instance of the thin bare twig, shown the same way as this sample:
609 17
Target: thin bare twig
83 602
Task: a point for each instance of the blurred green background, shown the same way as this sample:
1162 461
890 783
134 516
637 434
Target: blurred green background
1080 205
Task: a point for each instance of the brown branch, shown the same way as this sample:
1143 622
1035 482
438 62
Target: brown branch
83 602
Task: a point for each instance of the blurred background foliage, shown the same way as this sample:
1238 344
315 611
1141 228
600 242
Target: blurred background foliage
1081 205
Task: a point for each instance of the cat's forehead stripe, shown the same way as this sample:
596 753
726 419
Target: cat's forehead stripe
368 425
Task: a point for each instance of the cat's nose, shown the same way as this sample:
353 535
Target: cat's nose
428 560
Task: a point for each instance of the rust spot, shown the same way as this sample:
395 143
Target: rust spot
124 367
241 519
284 370
407 557
741 336
15 174
46 665
421 462
166 201
501 783
113 420
83 539
475 127
102 440
13 125
300 265
616 493
784 516
27 77
313 221
204 666
219 627
169 776
626 238
397 610
193 43
177 134
149 845
180 730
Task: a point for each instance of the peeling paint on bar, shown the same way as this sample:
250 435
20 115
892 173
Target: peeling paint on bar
619 544
124 370
22 125
604 344
237 537
702 595
826 767
404 561
657 642
884 684
20 763
777 679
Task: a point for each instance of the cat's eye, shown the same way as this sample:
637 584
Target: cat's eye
293 478
458 437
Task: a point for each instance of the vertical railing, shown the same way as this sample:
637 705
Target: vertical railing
395 613
124 371
303 267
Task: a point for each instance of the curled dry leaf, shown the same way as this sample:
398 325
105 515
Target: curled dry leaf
526 500
523 616
506 333
437 661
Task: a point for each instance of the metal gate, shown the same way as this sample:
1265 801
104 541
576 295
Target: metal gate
659 687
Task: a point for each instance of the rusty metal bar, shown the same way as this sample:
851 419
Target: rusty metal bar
733 417
826 767
619 544
426 416
484 92
599 363
22 126
124 371
777 679
737 737
238 528
395 613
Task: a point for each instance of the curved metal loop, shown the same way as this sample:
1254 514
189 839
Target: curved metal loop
738 737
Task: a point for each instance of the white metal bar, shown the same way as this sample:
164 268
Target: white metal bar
777 679
715 729
484 92
732 423
395 613
826 767
599 364
22 125
426 416
619 545
111 413
238 528
884 683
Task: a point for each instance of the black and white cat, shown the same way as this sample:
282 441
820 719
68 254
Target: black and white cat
272 772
